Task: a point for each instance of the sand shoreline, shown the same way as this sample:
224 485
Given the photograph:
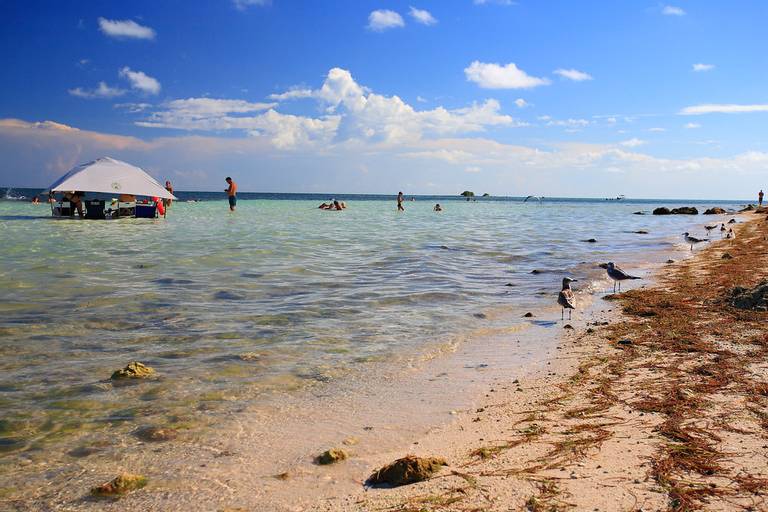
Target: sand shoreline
646 425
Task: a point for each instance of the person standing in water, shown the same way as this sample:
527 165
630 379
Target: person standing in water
231 193
760 198
400 200
169 188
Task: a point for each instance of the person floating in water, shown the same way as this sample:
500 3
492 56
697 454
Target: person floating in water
438 208
400 200
35 200
231 193
760 198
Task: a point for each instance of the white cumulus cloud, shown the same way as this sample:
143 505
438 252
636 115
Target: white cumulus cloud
703 67
496 76
422 16
140 81
720 108
521 103
671 10
573 74
125 29
384 19
691 126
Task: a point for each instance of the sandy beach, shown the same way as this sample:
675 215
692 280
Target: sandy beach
658 403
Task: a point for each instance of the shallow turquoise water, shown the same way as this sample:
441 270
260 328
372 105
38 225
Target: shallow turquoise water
227 307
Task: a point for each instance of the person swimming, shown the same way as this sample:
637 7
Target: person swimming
438 208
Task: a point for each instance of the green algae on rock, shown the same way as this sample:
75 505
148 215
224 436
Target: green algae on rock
408 470
134 370
331 456
120 485
156 434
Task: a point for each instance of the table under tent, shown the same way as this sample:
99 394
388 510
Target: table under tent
106 177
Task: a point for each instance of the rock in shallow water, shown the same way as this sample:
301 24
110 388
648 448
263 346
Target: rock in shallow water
134 370
156 434
120 485
407 470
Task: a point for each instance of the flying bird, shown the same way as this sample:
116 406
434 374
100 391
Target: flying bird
692 239
617 275
566 298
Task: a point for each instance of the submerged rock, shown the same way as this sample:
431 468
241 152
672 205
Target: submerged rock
134 370
120 485
755 298
156 434
590 240
638 213
331 456
408 470
528 315
641 232
715 211
748 208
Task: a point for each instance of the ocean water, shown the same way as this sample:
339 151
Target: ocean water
231 308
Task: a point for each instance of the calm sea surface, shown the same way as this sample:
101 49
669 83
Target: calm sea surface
229 307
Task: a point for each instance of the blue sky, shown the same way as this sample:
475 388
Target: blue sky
647 99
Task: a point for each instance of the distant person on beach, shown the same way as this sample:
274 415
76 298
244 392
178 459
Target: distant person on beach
438 208
760 198
400 200
231 193
169 188
76 198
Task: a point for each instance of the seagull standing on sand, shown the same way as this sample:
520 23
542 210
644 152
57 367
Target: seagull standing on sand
692 239
617 275
730 234
722 230
566 298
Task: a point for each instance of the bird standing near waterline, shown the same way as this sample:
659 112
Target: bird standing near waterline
710 228
566 298
617 275
722 230
692 239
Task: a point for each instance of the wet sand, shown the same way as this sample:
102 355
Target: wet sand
663 408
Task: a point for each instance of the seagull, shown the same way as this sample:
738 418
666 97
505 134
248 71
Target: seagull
730 234
617 275
692 239
722 230
710 228
566 298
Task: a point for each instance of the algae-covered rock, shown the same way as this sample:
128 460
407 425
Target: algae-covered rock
715 211
755 298
156 434
134 370
331 456
661 211
408 470
122 484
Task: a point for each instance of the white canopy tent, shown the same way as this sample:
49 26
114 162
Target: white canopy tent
109 176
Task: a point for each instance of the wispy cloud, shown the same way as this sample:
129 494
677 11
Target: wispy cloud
723 108
140 81
573 74
568 123
472 169
657 129
703 67
671 10
692 126
496 76
242 5
632 143
125 29
422 16
497 2
101 91
521 103
384 19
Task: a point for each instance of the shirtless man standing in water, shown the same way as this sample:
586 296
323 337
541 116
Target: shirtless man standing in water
231 193
400 200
